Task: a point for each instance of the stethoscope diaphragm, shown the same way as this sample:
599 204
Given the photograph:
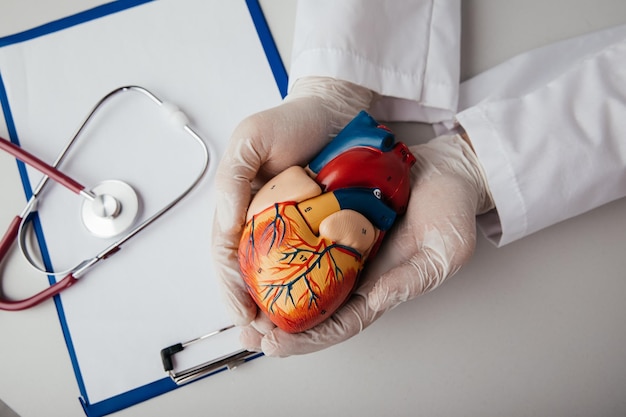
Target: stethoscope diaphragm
113 210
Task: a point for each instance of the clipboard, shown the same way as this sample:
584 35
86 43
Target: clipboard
264 83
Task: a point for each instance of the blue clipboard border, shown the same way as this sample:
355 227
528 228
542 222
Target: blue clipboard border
162 386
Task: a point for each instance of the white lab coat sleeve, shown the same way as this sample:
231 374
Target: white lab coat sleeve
549 128
407 51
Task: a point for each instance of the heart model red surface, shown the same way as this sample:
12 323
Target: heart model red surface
310 230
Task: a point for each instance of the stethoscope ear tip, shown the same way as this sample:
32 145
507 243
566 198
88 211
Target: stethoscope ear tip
112 211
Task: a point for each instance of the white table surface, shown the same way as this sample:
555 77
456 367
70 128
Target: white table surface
537 328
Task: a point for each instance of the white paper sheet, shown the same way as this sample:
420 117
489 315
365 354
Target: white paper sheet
161 288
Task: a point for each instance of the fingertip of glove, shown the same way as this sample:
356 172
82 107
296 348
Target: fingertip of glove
242 314
240 307
271 346
250 339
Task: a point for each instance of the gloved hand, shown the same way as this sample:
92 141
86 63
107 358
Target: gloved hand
262 146
431 242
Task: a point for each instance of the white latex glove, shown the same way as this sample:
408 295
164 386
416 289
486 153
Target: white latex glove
262 146
431 242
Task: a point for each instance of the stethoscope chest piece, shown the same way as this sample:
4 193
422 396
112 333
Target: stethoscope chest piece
113 210
110 210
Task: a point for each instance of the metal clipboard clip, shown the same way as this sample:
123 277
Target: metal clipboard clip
230 361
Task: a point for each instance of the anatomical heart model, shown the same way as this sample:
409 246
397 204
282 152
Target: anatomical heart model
310 230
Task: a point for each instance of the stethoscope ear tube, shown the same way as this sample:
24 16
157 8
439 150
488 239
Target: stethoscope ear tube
40 166
41 296
9 237
6 243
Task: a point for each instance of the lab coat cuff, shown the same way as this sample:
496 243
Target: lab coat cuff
404 97
509 221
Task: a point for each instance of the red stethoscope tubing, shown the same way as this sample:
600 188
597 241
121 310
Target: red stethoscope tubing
11 233
9 237
6 243
41 166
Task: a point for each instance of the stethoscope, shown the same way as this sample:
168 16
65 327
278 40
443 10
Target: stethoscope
108 210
